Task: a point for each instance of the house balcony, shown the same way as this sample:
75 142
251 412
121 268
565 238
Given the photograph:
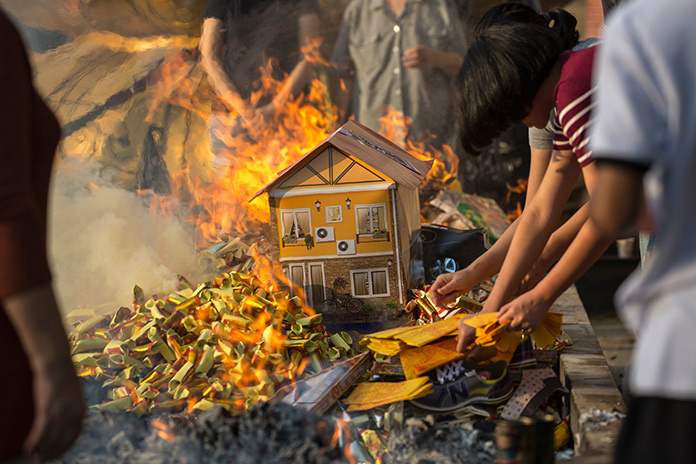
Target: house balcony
373 237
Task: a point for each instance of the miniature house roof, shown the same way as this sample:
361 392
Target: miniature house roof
367 146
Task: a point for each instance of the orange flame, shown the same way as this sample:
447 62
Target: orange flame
217 186
520 189
394 126
163 430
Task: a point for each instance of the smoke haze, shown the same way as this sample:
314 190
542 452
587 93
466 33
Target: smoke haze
103 240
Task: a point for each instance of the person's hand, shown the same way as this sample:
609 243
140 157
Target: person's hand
419 56
525 313
58 411
465 338
447 287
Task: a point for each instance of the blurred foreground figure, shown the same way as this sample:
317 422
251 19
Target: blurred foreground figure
41 400
645 147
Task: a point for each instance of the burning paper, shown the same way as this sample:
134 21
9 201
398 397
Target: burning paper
231 342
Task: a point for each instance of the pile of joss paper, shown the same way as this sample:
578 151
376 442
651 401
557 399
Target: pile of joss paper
231 342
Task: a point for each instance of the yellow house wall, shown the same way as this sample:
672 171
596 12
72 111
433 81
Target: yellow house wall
343 230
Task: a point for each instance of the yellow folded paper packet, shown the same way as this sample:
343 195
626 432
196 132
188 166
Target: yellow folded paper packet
490 333
417 361
373 394
393 341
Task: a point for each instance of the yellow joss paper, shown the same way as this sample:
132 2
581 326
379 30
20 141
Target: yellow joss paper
384 347
549 330
372 394
424 334
417 361
393 341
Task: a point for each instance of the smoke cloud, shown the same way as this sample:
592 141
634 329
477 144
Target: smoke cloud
103 240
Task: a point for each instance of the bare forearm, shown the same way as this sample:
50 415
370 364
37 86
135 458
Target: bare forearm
223 85
448 62
296 81
616 199
211 48
526 247
488 264
35 316
561 239
586 249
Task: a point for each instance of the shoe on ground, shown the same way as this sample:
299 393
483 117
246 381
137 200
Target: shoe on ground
461 383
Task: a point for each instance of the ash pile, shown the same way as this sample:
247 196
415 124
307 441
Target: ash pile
275 433
270 433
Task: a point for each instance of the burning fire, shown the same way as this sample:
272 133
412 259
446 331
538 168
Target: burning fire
218 199
163 430
445 162
519 189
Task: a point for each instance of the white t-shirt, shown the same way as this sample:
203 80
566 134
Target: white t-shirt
646 115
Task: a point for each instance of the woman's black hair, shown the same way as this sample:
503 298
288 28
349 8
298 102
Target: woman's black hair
560 21
505 67
500 77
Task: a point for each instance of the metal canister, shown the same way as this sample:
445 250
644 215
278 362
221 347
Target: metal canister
545 427
515 441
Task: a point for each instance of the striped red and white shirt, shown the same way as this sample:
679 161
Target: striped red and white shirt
574 96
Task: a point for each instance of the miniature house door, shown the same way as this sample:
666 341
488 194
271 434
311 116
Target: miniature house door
317 289
297 276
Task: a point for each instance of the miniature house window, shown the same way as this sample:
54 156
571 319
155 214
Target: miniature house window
334 214
370 282
371 218
295 223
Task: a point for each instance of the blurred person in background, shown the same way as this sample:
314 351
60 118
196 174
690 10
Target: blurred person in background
401 55
644 144
238 38
41 400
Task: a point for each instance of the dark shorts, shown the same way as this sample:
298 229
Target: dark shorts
658 430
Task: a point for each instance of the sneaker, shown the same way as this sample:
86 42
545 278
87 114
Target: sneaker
524 357
461 383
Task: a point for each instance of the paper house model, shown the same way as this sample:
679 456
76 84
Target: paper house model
346 216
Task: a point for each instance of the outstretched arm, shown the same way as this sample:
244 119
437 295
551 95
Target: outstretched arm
536 225
308 43
211 48
615 202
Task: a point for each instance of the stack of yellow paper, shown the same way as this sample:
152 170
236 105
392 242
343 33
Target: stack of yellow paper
549 330
372 394
417 361
393 341
419 353
490 332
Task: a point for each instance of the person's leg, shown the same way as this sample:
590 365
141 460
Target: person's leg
657 430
